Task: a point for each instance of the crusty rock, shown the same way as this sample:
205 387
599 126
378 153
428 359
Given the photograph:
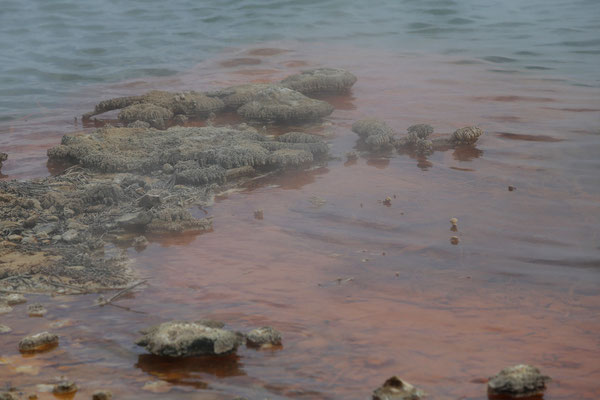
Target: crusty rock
154 115
419 131
13 299
283 105
36 310
377 135
236 96
265 336
517 382
466 135
184 339
320 80
397 389
38 342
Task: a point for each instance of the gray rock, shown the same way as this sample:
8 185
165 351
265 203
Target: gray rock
236 96
38 342
419 131
466 135
36 310
320 80
518 381
397 389
47 228
154 115
5 329
377 135
282 105
134 220
70 236
183 339
5 308
14 299
149 200
263 337
139 124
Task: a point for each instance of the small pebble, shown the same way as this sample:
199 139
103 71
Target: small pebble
454 240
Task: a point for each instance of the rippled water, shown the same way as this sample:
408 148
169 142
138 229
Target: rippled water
49 49
359 290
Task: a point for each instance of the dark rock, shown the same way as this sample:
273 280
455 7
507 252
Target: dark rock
397 389
149 200
102 395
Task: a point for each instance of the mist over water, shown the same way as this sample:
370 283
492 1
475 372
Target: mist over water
49 49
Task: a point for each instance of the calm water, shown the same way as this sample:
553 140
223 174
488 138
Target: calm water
522 285
50 49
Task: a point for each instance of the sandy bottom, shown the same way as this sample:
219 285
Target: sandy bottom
361 291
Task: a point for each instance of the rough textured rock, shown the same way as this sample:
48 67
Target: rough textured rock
236 96
320 80
191 104
377 135
9 396
5 329
263 337
13 299
467 135
517 382
419 131
102 395
36 310
397 389
3 157
155 116
183 339
64 387
38 342
282 105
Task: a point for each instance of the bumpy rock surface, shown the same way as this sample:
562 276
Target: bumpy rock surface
236 96
283 105
467 135
517 382
64 387
38 342
320 80
154 116
184 339
397 389
263 337
377 135
190 104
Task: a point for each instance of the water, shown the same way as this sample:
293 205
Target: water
522 285
51 49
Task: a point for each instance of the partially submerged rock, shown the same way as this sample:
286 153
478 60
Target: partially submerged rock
13 299
467 135
397 389
5 329
517 382
36 310
38 342
156 105
185 339
236 96
320 80
376 135
64 387
102 395
283 105
266 336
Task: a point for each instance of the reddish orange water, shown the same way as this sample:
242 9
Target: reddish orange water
359 290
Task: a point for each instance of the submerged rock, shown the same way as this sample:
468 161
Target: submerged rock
377 135
397 389
13 299
184 339
283 105
263 337
517 382
38 342
320 80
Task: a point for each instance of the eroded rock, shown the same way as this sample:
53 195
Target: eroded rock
517 382
376 135
320 80
155 116
283 105
236 96
38 342
266 336
3 157
184 339
397 389
36 310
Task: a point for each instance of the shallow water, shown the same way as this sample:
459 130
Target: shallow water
359 290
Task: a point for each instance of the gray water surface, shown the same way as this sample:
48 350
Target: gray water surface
52 48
